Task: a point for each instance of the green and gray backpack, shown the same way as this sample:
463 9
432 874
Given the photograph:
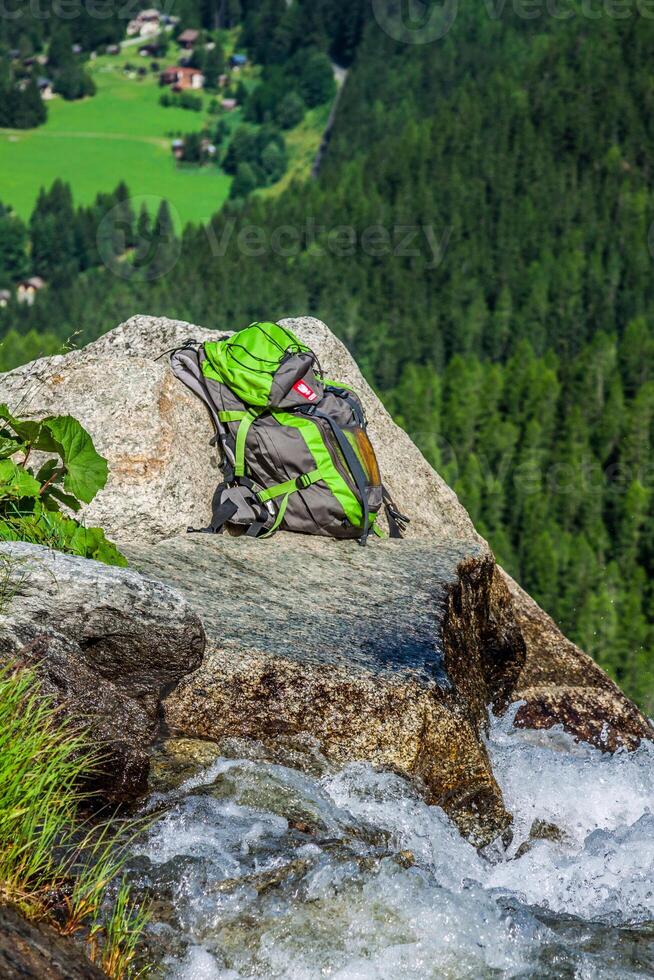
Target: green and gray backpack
295 450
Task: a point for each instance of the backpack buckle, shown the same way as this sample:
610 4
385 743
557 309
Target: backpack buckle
303 481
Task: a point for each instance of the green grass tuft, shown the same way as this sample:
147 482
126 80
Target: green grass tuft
53 864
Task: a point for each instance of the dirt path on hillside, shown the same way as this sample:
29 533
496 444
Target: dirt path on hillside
53 134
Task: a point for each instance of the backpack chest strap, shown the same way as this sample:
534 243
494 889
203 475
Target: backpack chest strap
290 486
284 490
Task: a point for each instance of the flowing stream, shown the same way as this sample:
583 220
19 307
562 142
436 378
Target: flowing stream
272 863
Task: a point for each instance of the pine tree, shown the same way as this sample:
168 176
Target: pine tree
125 214
14 262
30 109
164 243
273 162
244 182
143 239
214 67
317 83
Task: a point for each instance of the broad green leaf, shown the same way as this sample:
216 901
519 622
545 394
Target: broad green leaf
27 429
64 498
86 470
91 543
44 442
30 431
48 469
17 482
9 446
107 552
50 504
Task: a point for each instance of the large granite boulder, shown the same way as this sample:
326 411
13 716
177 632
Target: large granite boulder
348 677
156 434
106 642
381 654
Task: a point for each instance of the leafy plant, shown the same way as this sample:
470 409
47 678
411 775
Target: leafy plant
31 498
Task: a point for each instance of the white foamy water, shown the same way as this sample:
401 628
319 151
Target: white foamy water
262 870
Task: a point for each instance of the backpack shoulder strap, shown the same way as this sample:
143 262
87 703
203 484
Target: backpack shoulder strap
347 395
186 365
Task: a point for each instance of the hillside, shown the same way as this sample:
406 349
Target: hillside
123 132
504 307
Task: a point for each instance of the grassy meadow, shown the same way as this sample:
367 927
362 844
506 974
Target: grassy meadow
122 133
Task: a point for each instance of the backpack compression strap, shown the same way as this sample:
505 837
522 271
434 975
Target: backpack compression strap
237 499
396 522
221 511
245 420
352 460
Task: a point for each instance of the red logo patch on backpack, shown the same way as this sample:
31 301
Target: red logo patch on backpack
303 389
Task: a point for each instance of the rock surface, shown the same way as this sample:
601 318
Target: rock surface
561 685
106 641
380 654
34 951
288 654
153 432
156 434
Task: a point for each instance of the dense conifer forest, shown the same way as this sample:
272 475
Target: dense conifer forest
480 235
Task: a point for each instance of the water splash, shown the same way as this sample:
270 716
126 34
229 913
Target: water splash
298 871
